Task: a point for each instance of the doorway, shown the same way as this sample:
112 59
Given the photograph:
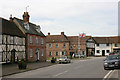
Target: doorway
103 52
13 56
37 55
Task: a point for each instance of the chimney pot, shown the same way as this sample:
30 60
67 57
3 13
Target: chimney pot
62 33
10 18
26 17
49 33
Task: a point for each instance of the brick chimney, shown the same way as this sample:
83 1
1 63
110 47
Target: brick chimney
49 33
62 33
26 17
10 19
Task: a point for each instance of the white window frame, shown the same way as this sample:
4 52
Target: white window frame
31 39
31 53
42 41
42 52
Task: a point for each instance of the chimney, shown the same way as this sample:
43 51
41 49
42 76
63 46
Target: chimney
10 19
49 33
26 17
62 33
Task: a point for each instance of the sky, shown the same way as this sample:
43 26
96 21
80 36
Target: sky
93 17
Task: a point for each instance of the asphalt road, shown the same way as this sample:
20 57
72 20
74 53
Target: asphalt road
90 68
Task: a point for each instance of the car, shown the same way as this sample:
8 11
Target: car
112 61
64 60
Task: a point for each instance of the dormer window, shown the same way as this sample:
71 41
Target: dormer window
26 25
38 29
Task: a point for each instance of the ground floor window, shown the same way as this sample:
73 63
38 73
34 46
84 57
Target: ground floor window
107 51
50 53
98 51
42 53
56 53
31 53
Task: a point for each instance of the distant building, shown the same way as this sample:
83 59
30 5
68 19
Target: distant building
102 46
12 42
57 45
34 38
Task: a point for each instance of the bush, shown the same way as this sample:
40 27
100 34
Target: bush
53 60
22 64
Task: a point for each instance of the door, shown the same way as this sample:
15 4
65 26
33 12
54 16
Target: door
103 52
13 56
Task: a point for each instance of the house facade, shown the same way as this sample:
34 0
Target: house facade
12 42
34 38
57 45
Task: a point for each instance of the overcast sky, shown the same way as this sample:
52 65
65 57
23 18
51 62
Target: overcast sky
94 17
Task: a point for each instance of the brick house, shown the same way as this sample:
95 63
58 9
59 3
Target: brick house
74 44
12 42
35 39
57 45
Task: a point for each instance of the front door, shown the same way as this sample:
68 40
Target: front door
103 52
37 56
13 56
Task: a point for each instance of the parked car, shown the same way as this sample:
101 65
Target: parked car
112 61
64 60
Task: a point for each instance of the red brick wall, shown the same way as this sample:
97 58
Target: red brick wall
53 49
35 46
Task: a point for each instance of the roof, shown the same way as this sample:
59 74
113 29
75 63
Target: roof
105 40
9 28
56 38
74 39
32 27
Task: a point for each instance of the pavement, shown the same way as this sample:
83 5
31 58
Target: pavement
9 69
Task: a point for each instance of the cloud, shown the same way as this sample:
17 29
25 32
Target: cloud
95 17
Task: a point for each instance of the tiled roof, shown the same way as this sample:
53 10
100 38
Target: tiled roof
56 38
104 40
32 29
9 28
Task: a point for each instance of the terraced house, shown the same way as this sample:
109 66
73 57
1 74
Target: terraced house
57 45
12 42
34 38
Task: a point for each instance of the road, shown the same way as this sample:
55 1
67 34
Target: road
89 68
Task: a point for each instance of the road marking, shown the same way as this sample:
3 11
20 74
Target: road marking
107 75
61 73
111 74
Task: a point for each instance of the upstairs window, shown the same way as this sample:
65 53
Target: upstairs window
42 41
116 45
31 39
107 44
107 51
26 25
11 40
56 45
50 45
64 45
98 45
37 40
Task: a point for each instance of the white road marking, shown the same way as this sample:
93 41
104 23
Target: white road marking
107 75
61 73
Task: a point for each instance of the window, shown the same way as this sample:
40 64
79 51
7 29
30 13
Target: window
42 41
64 45
116 45
50 45
30 39
56 53
26 25
50 53
107 44
42 53
31 53
107 51
37 40
11 40
97 44
98 51
56 45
